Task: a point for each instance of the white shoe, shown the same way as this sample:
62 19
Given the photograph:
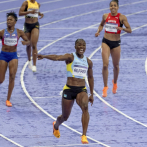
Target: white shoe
34 69
30 64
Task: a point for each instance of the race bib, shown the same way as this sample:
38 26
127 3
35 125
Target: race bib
10 41
80 71
111 27
33 15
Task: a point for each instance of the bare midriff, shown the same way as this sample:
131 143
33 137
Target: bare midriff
112 37
71 81
31 20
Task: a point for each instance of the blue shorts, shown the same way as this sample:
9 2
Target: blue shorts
8 56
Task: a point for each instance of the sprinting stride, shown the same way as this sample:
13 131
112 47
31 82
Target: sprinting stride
8 55
30 9
113 22
78 67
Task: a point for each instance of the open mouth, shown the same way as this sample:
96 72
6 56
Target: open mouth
113 10
81 50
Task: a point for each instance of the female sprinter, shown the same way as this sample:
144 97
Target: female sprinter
8 55
78 66
30 9
113 22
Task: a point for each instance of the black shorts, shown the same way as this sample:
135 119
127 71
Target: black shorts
70 92
29 27
111 44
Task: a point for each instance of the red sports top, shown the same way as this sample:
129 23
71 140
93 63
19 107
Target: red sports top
111 23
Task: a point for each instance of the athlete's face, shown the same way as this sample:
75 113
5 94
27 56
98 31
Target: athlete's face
113 7
33 1
11 21
80 47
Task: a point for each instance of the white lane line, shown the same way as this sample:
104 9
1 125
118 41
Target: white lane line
65 28
10 140
59 9
50 2
78 5
94 12
66 36
27 94
46 97
40 3
145 125
81 14
31 99
124 59
122 33
69 145
9 9
7 1
40 40
45 40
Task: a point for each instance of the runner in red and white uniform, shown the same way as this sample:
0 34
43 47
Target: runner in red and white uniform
113 22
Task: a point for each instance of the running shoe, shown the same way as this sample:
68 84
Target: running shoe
34 69
84 139
104 94
114 89
30 64
56 132
8 103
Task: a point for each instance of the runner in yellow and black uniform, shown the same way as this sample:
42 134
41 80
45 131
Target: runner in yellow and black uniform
30 9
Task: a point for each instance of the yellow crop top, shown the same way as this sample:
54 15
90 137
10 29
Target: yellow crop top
32 6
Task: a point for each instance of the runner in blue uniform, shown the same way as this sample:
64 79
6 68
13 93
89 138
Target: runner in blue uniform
8 55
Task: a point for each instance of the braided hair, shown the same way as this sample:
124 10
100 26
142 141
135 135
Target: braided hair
13 14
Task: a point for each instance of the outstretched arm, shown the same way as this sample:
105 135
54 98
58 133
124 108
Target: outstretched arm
66 57
90 80
100 28
24 37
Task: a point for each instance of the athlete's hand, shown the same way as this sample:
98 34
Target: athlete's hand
41 14
25 42
91 99
146 65
40 57
97 34
33 11
119 28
